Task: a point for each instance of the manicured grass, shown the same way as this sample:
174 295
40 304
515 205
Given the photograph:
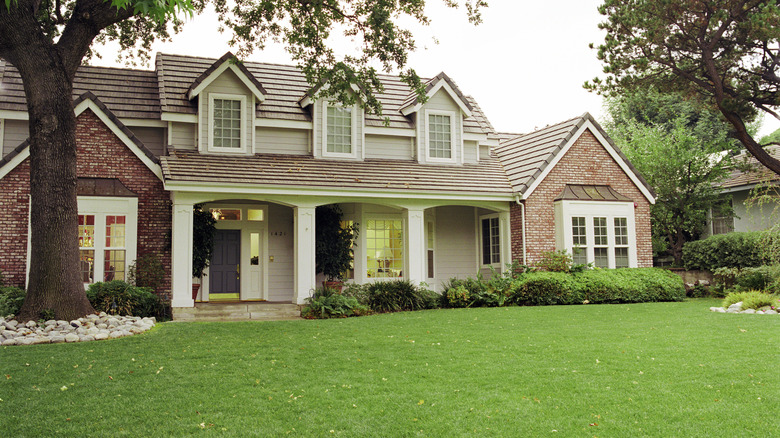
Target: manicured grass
659 369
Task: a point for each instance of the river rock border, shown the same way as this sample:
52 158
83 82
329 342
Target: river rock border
89 328
737 308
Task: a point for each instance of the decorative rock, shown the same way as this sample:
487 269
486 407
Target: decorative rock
736 306
31 324
102 325
89 328
717 309
770 312
75 323
86 338
115 335
9 342
50 322
730 310
11 324
58 339
759 312
41 340
749 311
101 336
71 337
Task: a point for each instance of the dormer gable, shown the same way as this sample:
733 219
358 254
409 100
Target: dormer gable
441 81
338 129
228 61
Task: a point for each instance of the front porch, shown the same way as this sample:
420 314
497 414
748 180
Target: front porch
239 311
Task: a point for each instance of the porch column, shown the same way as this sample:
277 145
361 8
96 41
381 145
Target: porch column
415 245
304 253
181 257
505 232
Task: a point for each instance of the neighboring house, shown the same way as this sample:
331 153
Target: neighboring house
747 179
436 193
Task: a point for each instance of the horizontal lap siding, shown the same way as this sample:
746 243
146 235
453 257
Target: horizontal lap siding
455 247
184 135
281 141
14 133
389 147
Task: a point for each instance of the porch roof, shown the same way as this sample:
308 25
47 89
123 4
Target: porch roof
305 171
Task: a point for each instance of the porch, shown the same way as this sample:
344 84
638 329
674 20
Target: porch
238 311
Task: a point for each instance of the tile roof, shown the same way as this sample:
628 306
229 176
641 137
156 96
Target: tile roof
305 171
749 171
524 157
227 57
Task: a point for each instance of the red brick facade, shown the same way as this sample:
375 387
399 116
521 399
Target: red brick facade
586 162
101 154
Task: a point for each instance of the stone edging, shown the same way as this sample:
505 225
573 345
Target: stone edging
89 328
737 308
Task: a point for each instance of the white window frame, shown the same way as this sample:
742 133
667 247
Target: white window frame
354 110
565 210
100 207
430 245
364 241
453 139
497 264
244 149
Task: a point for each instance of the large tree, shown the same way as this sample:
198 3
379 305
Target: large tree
47 40
726 51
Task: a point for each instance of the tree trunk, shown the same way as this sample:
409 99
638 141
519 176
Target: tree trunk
54 281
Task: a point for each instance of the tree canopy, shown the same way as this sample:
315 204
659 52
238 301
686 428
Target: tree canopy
47 40
725 51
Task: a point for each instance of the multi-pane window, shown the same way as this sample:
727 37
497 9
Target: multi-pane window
339 135
621 242
430 249
102 235
580 241
87 247
226 123
722 218
385 248
600 242
491 241
439 136
114 252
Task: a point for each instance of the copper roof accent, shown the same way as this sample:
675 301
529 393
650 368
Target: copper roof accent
749 171
524 157
309 172
103 187
580 192
227 57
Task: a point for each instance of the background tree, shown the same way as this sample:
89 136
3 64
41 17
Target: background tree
725 51
48 40
681 147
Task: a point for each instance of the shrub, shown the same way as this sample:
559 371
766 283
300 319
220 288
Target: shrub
555 261
357 291
759 278
457 296
545 288
734 250
328 303
399 295
751 299
119 298
146 271
11 299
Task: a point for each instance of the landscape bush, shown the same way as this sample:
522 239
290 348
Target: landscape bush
752 299
117 297
732 250
329 303
399 295
11 299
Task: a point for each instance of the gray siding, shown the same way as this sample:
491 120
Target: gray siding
484 152
227 83
153 138
441 101
455 243
184 135
281 141
470 152
385 146
280 247
14 133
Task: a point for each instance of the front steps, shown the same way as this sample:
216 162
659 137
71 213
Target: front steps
255 311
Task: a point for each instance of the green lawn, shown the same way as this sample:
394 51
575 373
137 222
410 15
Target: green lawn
659 369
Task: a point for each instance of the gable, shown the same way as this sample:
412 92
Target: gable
227 63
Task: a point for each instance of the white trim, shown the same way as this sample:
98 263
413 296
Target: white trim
83 105
179 117
353 110
279 123
14 115
439 85
170 134
623 165
244 149
395 132
15 161
473 136
453 140
2 137
144 123
481 243
227 64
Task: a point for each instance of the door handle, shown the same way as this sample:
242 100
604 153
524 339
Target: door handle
238 270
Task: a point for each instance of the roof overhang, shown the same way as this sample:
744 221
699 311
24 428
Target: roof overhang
227 62
310 96
442 81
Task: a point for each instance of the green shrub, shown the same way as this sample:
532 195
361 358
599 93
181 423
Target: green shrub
11 299
147 271
457 296
734 250
357 291
399 295
752 299
119 298
555 261
758 278
328 303
546 288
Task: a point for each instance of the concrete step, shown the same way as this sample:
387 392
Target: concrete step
262 311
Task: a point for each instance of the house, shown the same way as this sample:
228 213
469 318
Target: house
748 178
435 191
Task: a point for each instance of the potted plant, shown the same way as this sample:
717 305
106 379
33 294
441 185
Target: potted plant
334 241
203 229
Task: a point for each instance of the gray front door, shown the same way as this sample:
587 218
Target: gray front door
224 268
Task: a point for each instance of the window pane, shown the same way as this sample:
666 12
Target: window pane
339 130
87 265
491 241
86 231
621 257
255 215
254 249
621 231
115 231
580 255
439 136
578 231
601 257
226 214
600 231
114 265
384 245
227 123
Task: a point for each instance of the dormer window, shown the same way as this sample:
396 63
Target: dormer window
441 136
339 133
226 123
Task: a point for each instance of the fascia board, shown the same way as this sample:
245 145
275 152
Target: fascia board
221 69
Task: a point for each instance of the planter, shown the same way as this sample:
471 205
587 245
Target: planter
338 285
195 289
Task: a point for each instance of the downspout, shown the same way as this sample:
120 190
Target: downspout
522 223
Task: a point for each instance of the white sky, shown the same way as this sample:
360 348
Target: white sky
525 64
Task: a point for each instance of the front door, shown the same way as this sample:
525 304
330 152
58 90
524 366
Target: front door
224 270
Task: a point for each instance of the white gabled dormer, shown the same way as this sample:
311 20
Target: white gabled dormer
439 121
338 130
227 96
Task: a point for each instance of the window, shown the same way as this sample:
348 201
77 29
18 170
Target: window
255 215
227 123
580 241
226 214
87 247
601 233
600 243
491 241
111 244
430 240
114 255
440 136
385 248
621 242
339 130
722 217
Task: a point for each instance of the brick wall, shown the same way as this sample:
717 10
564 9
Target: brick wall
586 162
100 155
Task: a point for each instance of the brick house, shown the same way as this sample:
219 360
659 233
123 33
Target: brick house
435 191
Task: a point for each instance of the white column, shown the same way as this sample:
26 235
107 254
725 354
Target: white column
181 257
505 233
304 253
415 245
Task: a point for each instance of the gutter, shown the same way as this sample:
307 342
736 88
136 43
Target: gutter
522 221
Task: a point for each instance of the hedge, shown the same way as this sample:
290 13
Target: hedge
119 298
730 250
